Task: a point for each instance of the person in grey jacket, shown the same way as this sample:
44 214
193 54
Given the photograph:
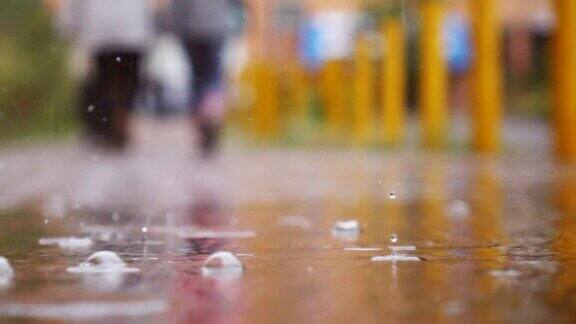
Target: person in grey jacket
115 35
202 26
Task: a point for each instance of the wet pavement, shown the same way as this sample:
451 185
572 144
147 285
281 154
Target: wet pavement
495 237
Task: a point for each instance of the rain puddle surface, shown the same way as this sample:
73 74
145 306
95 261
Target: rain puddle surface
496 242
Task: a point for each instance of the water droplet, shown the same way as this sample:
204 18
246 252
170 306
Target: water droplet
145 229
104 119
118 59
393 195
91 108
116 216
394 238
46 221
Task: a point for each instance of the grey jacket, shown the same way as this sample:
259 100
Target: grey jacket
200 18
94 25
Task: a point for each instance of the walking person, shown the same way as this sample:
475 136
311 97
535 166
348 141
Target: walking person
114 36
202 26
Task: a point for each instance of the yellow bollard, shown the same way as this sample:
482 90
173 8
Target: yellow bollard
564 112
298 90
394 82
363 91
486 77
266 105
332 84
433 77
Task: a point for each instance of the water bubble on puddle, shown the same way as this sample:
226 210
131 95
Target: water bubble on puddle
69 243
103 262
396 258
394 238
5 268
393 195
347 230
6 272
222 263
346 226
458 209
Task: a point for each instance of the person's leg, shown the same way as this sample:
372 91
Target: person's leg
116 82
124 86
208 97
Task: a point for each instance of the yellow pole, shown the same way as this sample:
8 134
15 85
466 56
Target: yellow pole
564 113
266 108
487 77
363 104
394 82
433 77
333 92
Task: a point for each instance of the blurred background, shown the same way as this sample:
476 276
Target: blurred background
296 72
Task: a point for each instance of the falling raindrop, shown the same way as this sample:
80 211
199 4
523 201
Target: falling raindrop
145 229
91 108
115 216
118 59
46 221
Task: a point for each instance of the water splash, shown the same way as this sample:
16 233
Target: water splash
103 262
393 195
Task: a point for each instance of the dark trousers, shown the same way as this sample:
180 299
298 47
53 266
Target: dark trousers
109 96
205 55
